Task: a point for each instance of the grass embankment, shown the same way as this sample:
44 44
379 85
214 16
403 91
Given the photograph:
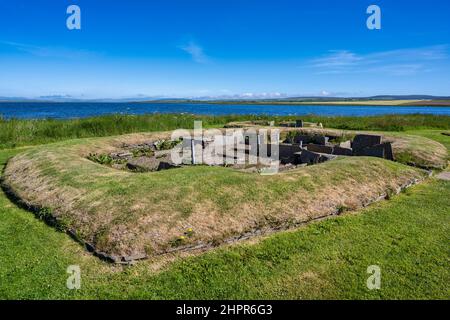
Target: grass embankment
123 214
406 236
15 133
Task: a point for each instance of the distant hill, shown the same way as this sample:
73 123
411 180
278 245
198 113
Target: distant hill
382 99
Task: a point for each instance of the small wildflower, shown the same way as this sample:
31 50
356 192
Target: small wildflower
189 232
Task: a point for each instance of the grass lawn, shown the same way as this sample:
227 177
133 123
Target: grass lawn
407 236
433 134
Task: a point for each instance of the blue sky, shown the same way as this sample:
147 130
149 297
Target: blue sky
192 48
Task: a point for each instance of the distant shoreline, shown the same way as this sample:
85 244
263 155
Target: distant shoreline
374 103
377 103
379 100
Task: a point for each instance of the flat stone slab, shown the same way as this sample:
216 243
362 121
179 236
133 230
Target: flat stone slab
444 176
362 141
383 150
316 139
346 144
319 148
309 157
144 164
342 151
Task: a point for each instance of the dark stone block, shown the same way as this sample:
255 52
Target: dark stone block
319 148
383 150
309 157
388 153
166 165
362 141
299 123
342 151
303 139
375 151
322 140
326 157
297 158
287 124
286 152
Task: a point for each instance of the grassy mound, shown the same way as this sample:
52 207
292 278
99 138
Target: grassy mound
122 214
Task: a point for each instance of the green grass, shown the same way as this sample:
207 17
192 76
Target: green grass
434 135
14 133
406 236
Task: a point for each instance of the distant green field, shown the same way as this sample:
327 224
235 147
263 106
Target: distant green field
14 133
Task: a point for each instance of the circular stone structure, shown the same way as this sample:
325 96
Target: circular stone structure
124 216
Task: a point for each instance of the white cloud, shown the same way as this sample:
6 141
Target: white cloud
196 52
400 62
48 51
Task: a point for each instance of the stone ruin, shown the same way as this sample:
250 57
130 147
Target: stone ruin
298 149
144 157
317 148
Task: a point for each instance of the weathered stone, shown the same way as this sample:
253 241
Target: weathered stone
388 153
374 151
302 138
383 150
322 140
319 148
164 165
326 157
162 153
289 124
342 151
286 152
143 164
309 157
122 155
346 144
444 176
133 257
362 141
298 159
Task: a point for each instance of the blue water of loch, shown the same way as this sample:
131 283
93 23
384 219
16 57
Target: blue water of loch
37 110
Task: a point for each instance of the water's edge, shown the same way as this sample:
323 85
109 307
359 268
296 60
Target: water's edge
69 110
